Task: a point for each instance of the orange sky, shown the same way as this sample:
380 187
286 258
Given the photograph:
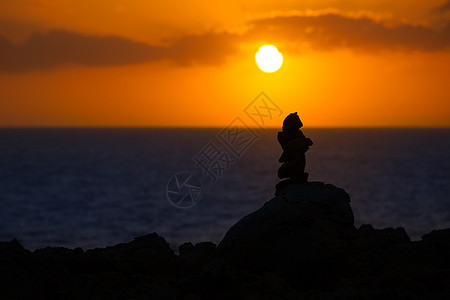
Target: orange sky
191 63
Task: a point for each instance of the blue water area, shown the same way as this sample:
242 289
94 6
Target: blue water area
97 187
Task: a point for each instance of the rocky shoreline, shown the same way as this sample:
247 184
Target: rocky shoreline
301 244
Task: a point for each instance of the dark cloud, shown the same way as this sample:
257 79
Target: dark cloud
46 51
209 48
443 8
328 32
62 48
324 32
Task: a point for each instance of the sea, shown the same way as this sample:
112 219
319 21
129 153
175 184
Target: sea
96 187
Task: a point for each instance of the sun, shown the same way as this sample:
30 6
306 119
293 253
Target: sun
268 58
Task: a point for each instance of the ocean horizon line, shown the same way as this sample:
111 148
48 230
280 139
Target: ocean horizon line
219 127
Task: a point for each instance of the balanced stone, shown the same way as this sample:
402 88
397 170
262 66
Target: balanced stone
294 145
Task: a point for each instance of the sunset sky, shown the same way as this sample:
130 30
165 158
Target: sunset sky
351 63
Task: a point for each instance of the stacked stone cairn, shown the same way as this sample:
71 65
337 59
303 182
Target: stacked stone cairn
294 145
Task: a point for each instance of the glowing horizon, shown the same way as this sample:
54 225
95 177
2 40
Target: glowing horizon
369 64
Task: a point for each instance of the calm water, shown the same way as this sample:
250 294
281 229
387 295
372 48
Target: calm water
97 187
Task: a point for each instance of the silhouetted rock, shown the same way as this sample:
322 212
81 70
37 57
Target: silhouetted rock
301 235
140 267
387 236
442 235
300 245
192 258
149 255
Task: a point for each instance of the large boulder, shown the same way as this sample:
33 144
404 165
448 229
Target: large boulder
301 235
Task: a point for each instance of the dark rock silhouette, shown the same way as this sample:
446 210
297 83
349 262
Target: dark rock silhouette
300 235
300 244
294 145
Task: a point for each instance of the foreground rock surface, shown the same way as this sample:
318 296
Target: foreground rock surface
302 235
301 244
